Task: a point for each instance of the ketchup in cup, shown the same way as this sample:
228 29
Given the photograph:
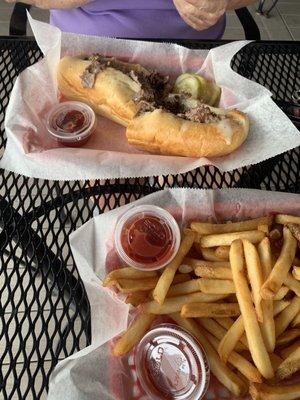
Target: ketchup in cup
71 123
147 237
171 364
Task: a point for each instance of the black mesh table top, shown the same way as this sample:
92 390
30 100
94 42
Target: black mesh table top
43 305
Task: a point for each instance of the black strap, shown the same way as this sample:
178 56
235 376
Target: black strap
250 27
18 20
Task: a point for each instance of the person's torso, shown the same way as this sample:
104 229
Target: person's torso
131 19
99 6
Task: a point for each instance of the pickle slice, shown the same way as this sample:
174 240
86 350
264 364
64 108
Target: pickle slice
187 83
190 103
211 92
198 87
214 92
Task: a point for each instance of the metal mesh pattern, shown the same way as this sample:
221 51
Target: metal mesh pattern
43 306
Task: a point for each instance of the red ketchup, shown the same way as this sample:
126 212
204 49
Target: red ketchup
147 237
71 123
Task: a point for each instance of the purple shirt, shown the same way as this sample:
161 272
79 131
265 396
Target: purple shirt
132 19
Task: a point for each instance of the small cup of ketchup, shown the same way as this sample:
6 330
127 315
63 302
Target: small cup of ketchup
147 237
71 123
171 364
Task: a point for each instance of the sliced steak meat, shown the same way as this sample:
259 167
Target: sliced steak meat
154 90
145 106
154 87
89 75
134 76
98 64
174 103
202 114
87 79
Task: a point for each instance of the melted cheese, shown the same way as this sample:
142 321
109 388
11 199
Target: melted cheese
225 129
217 111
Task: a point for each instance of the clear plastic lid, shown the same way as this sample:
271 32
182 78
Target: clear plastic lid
147 237
171 364
71 121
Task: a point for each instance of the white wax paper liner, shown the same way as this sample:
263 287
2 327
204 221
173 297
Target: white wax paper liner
31 152
87 374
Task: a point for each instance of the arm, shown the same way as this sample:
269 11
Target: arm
202 14
47 4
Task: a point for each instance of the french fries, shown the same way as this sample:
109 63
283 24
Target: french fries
196 310
193 262
137 298
227 377
282 292
295 230
206 229
266 392
285 352
292 284
279 306
283 320
223 252
263 228
268 325
296 272
231 339
281 267
180 278
136 285
239 362
127 273
227 323
217 330
185 269
179 289
256 344
289 366
236 331
133 334
240 298
255 275
296 321
225 239
213 272
166 278
285 219
207 253
287 337
212 326
175 304
275 361
216 286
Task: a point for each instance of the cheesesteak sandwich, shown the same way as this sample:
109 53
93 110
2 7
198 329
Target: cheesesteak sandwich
103 83
179 119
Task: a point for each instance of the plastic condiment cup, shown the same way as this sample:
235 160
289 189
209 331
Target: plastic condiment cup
171 364
147 237
71 123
